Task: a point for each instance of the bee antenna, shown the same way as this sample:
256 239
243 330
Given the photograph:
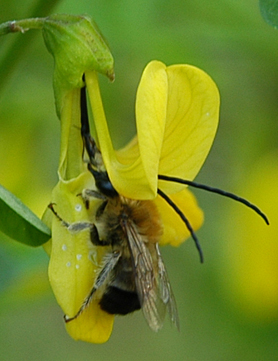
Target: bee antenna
185 220
216 190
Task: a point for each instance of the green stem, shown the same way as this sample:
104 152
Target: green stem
21 25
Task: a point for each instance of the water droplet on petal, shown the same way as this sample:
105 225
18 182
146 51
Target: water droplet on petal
78 207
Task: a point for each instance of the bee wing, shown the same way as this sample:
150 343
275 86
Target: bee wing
166 292
151 280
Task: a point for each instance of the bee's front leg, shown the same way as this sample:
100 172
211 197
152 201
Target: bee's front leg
77 227
89 194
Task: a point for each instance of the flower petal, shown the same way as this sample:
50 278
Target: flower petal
151 107
175 231
181 140
252 263
71 163
177 116
135 176
192 119
126 173
93 325
74 262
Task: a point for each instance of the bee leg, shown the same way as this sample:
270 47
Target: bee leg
64 223
88 194
110 262
101 209
77 227
95 239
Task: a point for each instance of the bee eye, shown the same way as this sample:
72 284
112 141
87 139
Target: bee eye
103 183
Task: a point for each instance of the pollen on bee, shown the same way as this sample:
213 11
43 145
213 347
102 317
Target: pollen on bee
148 220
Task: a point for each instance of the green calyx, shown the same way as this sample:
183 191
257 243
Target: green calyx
77 46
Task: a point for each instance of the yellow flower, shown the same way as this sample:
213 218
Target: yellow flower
176 116
251 273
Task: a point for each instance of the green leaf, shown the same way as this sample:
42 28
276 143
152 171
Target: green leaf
269 11
19 222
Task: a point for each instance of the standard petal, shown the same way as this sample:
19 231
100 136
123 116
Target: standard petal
174 230
74 261
192 119
134 175
151 107
177 117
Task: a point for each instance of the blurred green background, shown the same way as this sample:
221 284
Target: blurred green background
229 305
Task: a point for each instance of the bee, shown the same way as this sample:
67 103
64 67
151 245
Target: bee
132 275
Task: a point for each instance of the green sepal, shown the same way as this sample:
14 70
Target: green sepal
18 222
77 46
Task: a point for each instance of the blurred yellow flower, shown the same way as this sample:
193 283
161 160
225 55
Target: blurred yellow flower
252 268
177 116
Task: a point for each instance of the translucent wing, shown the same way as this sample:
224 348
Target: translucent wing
166 292
151 279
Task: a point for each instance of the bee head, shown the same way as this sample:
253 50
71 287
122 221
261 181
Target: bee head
103 183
